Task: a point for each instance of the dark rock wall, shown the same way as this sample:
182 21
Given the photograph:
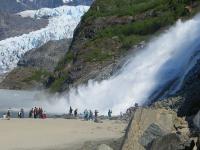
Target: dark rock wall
191 92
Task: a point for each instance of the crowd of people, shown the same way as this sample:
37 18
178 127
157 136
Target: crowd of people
33 113
37 113
88 114
40 113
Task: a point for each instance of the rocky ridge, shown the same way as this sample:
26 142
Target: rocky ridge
11 25
35 66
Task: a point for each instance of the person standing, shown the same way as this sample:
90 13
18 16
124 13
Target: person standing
96 114
31 113
41 112
75 112
70 111
86 114
35 112
109 114
90 115
8 115
19 114
22 113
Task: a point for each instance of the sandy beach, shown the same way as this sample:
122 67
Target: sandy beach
55 134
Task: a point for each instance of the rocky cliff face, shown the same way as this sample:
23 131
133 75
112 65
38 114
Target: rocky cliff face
47 56
108 32
191 92
14 6
186 101
35 66
37 4
11 25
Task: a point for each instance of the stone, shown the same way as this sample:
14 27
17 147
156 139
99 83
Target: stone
151 133
149 124
97 120
104 147
168 142
196 120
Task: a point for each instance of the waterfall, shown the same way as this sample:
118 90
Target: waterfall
165 59
163 62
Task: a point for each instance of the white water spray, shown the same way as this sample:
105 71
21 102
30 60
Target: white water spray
164 59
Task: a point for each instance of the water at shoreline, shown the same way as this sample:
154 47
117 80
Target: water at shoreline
15 100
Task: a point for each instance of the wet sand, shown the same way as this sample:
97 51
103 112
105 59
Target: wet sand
55 134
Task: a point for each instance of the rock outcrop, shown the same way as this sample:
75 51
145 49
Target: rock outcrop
196 121
191 92
47 56
35 66
172 103
171 141
149 125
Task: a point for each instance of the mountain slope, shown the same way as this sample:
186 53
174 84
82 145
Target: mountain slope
14 6
11 25
35 66
110 29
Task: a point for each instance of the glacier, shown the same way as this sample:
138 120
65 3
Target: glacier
73 11
62 23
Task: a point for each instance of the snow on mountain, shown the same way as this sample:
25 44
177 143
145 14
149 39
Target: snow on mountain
59 11
67 1
62 22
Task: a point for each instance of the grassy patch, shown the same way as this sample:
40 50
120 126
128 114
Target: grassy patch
37 75
103 8
67 59
95 55
59 81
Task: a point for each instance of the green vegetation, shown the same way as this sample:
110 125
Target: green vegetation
107 32
37 75
149 17
57 84
97 55
104 8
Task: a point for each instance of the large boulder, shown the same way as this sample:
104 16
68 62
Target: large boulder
152 132
149 124
171 141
